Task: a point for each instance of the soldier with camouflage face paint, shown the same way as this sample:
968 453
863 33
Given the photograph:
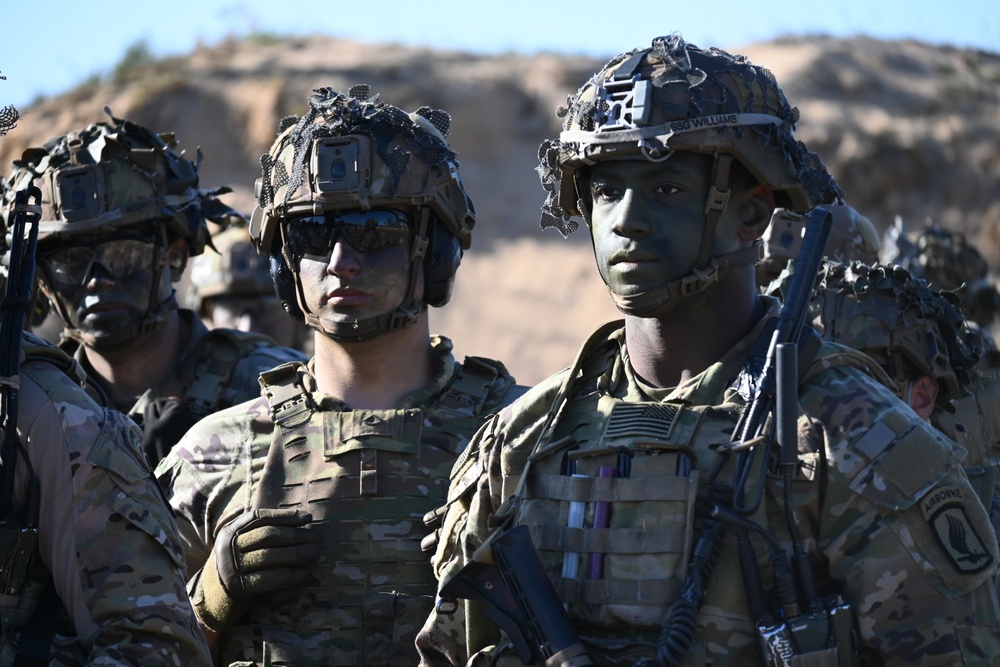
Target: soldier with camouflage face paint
122 213
675 157
232 288
303 512
104 583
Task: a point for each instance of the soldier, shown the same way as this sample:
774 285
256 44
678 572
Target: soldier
91 564
232 289
919 338
668 535
852 237
362 207
121 216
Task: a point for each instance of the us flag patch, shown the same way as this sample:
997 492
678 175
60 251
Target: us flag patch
641 419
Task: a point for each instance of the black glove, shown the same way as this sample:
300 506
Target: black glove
256 553
164 422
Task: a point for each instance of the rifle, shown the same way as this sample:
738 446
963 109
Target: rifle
18 535
522 600
803 623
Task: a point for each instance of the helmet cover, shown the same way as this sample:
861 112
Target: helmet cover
674 96
897 320
109 176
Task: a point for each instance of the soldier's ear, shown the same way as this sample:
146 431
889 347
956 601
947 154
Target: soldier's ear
756 212
178 253
922 395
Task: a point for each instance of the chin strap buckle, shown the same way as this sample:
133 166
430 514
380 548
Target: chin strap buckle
699 279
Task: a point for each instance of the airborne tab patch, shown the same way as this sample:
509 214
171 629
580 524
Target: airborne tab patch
944 510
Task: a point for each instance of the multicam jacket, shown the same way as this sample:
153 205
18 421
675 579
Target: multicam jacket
367 477
880 501
218 368
107 543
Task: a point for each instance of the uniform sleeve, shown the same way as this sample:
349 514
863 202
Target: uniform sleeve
444 639
905 535
202 476
106 533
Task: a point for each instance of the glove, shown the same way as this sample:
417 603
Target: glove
164 421
255 553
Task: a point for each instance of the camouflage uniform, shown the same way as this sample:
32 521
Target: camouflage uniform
218 368
122 183
107 541
871 498
867 515
357 178
380 471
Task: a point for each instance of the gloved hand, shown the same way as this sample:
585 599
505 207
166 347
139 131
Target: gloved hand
255 553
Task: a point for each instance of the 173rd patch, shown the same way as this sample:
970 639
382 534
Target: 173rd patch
944 510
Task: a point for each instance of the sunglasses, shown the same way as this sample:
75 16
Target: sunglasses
365 231
120 258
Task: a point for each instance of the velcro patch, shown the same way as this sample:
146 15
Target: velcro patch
638 419
944 510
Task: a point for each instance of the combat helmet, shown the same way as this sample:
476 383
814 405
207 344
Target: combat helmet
351 153
234 270
674 96
852 237
897 320
113 176
947 261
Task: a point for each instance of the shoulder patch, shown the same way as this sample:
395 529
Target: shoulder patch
944 511
907 458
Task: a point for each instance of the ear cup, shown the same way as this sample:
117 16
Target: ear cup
444 254
284 286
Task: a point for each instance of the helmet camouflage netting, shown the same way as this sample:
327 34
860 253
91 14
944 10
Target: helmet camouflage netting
895 318
675 96
411 164
109 176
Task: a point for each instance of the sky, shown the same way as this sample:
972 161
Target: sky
49 46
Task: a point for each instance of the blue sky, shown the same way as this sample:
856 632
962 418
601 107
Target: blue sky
48 46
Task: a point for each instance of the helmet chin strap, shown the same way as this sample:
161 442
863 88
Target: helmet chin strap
656 302
402 317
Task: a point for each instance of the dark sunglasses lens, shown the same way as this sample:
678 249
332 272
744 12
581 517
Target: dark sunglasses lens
365 231
121 258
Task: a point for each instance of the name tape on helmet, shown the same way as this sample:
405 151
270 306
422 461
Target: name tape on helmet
664 131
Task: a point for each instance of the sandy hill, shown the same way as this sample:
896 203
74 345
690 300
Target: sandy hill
907 129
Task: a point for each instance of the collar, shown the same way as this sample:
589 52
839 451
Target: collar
445 370
710 386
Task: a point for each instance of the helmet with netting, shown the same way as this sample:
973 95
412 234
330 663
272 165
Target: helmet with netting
948 261
673 96
352 153
852 237
114 175
234 270
945 259
898 320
